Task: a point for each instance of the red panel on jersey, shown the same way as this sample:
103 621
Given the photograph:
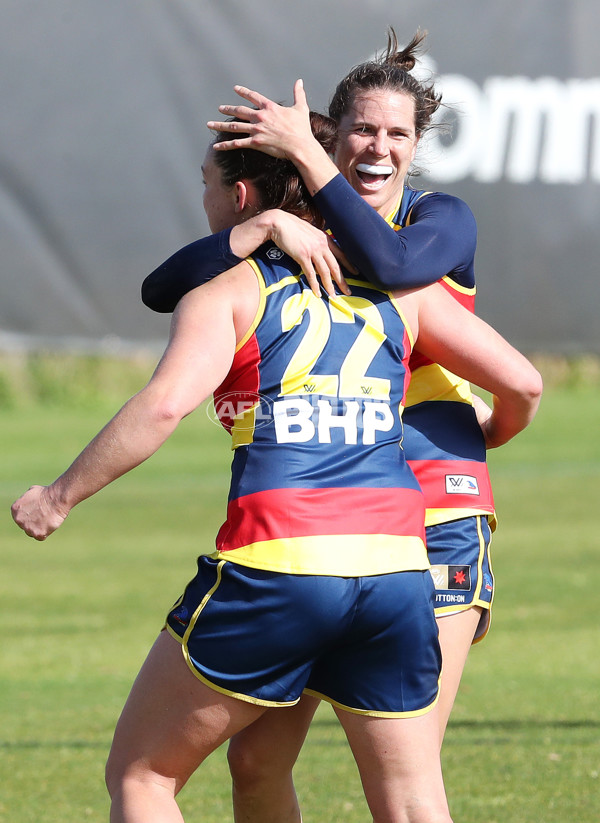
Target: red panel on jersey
307 512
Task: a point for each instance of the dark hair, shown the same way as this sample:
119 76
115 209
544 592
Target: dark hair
277 180
390 71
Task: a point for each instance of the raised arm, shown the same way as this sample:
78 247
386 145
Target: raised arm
442 233
440 239
204 259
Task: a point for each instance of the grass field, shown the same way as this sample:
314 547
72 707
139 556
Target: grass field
80 611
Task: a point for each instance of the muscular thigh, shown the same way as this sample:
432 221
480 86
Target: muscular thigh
171 721
272 743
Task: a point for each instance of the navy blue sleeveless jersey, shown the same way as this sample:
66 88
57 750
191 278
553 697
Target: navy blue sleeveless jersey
314 403
443 440
433 238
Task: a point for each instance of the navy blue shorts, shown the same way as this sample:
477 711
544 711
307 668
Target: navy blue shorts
366 644
461 567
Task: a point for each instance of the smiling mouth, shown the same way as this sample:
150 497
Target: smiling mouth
373 176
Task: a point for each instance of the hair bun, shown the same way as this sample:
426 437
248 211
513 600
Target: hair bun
407 57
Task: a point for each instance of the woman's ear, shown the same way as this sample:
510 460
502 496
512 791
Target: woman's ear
240 192
245 197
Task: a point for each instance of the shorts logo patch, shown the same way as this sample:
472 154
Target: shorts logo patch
181 615
440 576
451 577
459 577
461 484
274 253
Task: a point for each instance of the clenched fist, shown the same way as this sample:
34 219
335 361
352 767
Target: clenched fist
36 514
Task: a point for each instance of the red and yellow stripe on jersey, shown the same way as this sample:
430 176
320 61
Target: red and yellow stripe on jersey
314 402
442 439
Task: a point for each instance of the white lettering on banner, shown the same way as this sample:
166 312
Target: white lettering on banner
294 422
519 128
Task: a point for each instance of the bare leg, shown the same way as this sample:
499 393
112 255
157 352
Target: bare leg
399 765
171 722
261 758
456 632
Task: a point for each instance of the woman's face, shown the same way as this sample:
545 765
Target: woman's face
376 145
218 199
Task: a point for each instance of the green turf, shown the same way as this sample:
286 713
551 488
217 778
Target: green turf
79 612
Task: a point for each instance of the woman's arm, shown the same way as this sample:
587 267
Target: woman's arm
191 266
198 356
458 340
440 239
201 261
442 235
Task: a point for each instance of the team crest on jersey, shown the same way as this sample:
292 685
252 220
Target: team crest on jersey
274 253
461 484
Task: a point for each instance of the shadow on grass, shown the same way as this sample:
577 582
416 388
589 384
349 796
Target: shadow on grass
512 723
458 725
529 723
54 744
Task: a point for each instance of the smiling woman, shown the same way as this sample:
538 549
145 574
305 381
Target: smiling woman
319 582
397 238
377 144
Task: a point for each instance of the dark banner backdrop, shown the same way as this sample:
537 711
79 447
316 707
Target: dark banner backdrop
102 132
